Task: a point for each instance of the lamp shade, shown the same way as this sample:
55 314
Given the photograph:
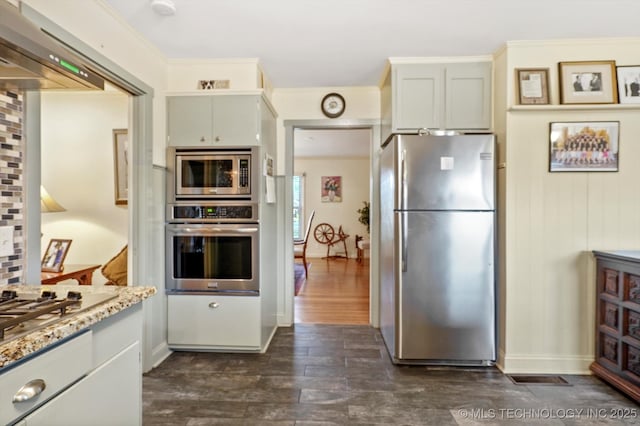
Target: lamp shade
48 204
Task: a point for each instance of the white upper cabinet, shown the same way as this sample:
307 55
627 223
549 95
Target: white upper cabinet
417 96
222 120
468 96
453 96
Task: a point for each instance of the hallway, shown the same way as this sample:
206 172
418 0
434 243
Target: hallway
336 292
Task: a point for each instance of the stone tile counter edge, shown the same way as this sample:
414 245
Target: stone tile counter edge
17 349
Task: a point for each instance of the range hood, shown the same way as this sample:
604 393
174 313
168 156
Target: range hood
30 59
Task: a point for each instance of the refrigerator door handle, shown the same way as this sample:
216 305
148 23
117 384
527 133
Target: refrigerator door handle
403 240
403 180
403 203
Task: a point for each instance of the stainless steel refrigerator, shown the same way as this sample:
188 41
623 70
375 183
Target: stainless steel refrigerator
438 247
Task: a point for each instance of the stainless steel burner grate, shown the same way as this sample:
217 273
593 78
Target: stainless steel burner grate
24 313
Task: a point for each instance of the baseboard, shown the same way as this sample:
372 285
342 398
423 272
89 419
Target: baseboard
268 342
284 320
159 354
519 364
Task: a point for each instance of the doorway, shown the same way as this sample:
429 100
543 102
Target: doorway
331 177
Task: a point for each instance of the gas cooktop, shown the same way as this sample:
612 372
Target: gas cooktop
25 311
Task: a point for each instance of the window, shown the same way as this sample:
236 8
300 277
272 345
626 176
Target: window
298 207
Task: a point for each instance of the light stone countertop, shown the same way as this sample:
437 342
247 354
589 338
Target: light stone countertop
14 350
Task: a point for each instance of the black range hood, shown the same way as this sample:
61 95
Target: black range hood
30 59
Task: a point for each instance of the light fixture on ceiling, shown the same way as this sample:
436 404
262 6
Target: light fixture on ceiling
163 7
48 204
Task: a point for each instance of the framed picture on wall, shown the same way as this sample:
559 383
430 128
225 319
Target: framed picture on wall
121 165
331 189
588 82
53 258
628 84
584 146
532 86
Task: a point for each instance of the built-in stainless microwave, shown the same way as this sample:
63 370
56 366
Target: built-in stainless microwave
211 173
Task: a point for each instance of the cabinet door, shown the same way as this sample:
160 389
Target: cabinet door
189 120
235 120
418 99
468 96
214 322
110 395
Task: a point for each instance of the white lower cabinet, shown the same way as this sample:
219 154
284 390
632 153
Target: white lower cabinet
109 395
94 378
214 322
42 377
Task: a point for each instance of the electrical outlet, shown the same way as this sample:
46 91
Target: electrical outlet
6 241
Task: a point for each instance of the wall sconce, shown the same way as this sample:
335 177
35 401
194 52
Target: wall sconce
48 204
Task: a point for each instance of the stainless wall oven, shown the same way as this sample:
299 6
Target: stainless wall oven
212 248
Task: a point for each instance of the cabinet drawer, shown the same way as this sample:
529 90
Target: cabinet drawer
632 362
632 323
110 395
632 287
214 322
609 315
611 282
609 348
58 368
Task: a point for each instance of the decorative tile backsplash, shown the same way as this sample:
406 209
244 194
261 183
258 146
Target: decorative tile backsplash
12 182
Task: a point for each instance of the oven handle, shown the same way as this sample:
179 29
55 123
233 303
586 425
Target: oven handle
212 229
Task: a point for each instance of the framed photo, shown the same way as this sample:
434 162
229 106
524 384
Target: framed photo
584 146
589 82
331 189
532 86
628 84
121 165
53 259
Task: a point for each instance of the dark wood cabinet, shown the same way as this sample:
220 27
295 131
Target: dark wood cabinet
618 320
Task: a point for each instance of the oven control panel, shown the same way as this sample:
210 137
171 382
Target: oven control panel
213 212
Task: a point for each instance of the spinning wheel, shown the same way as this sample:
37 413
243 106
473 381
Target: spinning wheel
325 234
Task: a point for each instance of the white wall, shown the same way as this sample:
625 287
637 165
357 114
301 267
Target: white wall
78 172
362 103
553 221
242 73
355 173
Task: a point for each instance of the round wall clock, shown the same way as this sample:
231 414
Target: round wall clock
333 105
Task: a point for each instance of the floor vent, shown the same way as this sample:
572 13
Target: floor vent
537 380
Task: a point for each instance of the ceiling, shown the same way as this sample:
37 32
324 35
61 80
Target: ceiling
338 43
342 43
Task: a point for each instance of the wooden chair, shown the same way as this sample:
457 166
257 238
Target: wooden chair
300 246
361 246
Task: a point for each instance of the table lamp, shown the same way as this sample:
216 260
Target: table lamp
48 204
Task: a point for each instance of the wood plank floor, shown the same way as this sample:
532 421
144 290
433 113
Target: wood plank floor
336 292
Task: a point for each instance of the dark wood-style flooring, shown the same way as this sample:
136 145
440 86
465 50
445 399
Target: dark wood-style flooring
318 374
334 374
335 292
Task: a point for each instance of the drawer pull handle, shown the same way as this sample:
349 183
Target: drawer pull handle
214 305
29 391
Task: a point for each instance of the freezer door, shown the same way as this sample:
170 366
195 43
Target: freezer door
446 172
446 286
